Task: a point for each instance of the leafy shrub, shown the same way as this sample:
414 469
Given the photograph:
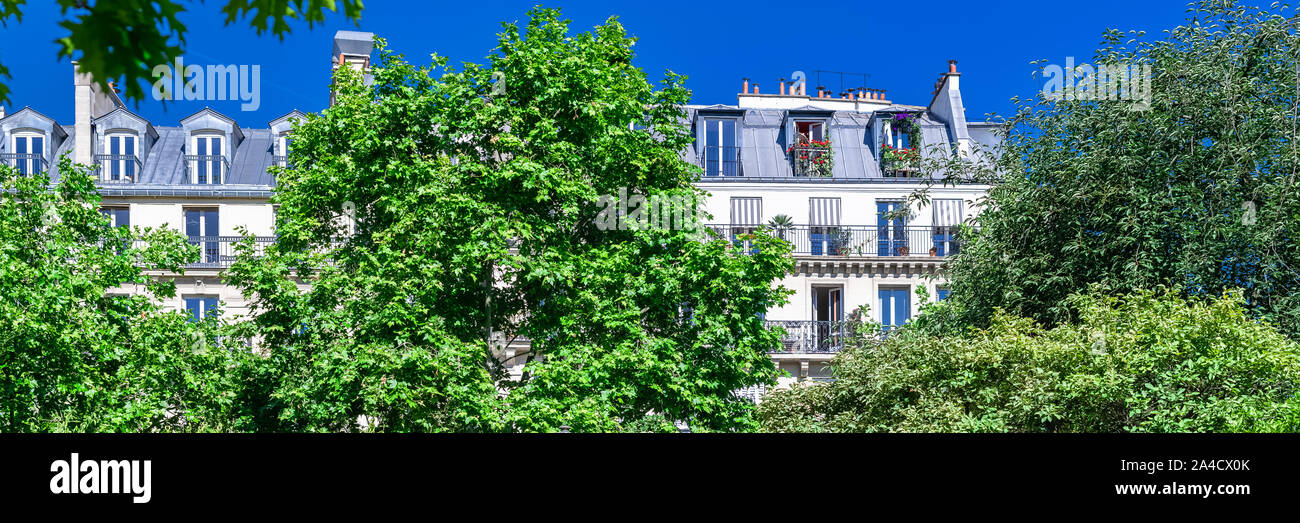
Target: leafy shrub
1145 362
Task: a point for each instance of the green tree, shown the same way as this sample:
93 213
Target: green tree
79 351
439 217
1199 192
127 38
1144 362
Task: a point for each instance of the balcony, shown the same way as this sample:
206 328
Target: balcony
206 169
812 337
117 168
859 240
721 161
25 163
218 252
812 159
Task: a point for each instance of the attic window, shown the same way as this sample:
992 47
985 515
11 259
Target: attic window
809 131
28 152
121 161
208 162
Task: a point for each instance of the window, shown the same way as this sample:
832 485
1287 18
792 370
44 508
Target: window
809 131
828 317
895 306
29 153
891 230
282 144
721 155
208 160
121 161
746 217
947 215
200 307
824 232
203 228
118 216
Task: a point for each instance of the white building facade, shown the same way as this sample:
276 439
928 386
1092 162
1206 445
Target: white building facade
812 158
818 169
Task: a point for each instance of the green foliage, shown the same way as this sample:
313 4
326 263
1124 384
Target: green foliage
1146 362
127 38
438 217
1098 192
78 351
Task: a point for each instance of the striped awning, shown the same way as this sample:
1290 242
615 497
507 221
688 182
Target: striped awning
947 212
824 212
746 211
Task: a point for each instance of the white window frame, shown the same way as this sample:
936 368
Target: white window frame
125 164
28 166
218 165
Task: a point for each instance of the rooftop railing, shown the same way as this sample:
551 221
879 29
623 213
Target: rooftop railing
117 168
720 161
206 169
25 163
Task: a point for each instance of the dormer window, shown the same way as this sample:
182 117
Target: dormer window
811 154
810 131
121 163
29 152
721 155
208 161
281 156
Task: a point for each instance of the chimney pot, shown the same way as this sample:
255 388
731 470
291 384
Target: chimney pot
755 88
783 87
744 86
952 66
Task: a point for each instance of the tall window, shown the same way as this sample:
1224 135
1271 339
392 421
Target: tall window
721 154
895 306
206 162
29 150
200 307
203 228
891 229
121 159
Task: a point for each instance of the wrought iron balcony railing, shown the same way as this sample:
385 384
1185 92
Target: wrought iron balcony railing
117 168
206 169
857 240
812 337
25 163
219 251
809 161
720 160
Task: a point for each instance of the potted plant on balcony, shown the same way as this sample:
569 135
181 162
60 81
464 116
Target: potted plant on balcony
934 251
781 224
812 157
843 242
899 161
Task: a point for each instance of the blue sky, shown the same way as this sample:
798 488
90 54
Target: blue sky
903 46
